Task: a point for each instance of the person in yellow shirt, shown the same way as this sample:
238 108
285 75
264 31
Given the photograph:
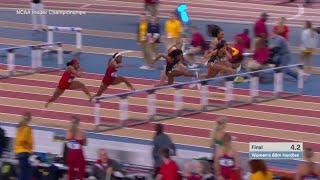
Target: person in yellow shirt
259 170
24 147
143 41
173 29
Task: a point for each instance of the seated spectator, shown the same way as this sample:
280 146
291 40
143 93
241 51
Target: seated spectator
308 169
205 170
192 170
104 166
259 170
260 56
282 28
244 39
8 171
161 141
226 163
169 169
198 45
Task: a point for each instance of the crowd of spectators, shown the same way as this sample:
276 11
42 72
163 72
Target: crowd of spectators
225 163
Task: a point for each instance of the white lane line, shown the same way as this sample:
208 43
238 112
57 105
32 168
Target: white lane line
85 6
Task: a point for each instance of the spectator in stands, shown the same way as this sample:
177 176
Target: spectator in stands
205 170
309 41
153 40
75 140
24 147
216 40
259 170
235 52
3 141
226 163
260 28
218 131
37 5
308 169
282 55
161 141
169 169
244 39
104 166
282 28
173 29
260 56
192 169
152 6
143 41
198 45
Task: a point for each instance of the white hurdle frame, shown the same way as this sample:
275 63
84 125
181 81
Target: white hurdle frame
178 98
36 56
77 30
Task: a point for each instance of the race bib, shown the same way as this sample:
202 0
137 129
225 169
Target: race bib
73 145
114 74
226 162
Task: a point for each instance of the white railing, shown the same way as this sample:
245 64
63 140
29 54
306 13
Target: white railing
229 101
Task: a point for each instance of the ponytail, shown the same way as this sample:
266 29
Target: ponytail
72 62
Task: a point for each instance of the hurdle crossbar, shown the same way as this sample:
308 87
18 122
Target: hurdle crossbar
77 30
36 57
230 100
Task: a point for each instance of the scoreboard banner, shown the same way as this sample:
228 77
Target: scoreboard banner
276 150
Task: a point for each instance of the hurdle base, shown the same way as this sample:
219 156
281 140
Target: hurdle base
134 122
105 127
188 111
214 107
235 103
284 94
162 116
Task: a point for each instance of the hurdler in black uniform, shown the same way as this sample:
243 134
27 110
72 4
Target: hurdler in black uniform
176 59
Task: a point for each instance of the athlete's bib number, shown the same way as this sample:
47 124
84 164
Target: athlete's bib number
114 74
70 80
226 162
73 145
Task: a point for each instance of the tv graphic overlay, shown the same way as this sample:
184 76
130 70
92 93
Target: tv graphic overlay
276 150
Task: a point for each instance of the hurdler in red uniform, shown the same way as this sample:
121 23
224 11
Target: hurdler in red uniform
111 77
67 82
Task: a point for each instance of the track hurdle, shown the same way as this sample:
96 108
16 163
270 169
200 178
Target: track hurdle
36 59
254 95
77 30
